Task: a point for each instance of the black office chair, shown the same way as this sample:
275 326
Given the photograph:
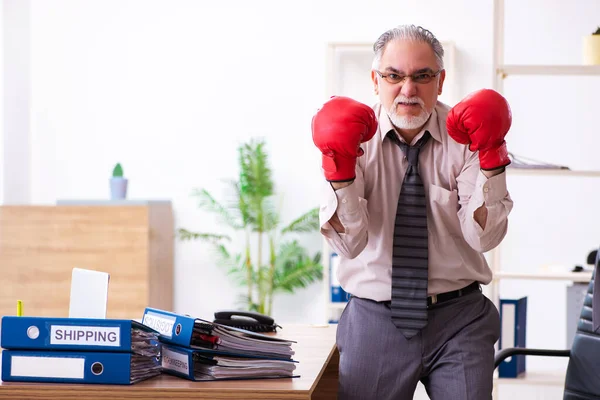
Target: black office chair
582 381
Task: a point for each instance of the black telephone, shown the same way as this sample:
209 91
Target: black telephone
251 321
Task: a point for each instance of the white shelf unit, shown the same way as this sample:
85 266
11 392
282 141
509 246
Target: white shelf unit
505 71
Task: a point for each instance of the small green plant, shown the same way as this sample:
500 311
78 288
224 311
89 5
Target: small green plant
117 171
597 31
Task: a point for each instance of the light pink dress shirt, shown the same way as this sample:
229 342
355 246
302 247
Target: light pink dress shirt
455 187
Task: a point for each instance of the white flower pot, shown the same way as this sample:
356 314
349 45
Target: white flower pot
118 188
591 50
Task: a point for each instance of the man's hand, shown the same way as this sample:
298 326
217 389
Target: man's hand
338 129
482 120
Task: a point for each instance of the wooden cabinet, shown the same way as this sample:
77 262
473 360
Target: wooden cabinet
40 245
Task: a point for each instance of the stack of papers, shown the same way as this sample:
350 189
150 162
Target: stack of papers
208 335
221 367
201 350
143 367
528 163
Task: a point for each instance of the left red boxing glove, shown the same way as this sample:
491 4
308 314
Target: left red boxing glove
482 120
338 129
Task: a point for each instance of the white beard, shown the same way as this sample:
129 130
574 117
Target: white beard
408 122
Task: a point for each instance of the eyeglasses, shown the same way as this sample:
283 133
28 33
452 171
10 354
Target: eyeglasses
421 77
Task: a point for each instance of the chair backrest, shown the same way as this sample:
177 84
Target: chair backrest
583 373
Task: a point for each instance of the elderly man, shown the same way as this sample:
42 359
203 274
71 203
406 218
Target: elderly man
415 193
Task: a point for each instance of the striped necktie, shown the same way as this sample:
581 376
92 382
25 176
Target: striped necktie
410 253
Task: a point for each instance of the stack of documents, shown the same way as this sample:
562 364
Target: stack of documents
201 350
74 350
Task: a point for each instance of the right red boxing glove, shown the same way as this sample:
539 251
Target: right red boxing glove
338 129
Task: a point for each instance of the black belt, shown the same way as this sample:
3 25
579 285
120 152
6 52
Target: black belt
442 297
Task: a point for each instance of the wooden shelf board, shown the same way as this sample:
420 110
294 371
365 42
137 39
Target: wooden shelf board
552 172
565 70
566 276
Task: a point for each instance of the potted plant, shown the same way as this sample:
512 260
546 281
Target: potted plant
591 48
118 184
278 262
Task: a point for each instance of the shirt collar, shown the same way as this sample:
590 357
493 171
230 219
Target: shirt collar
432 125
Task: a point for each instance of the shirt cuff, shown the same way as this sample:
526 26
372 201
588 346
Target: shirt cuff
348 201
493 189
344 201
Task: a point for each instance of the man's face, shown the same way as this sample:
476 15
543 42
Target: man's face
409 103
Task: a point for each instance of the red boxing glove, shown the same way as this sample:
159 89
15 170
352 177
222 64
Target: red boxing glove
338 129
482 120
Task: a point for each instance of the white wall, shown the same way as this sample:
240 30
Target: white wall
15 103
2 104
169 88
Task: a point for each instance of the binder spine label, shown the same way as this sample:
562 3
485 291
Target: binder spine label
47 367
175 361
85 335
161 323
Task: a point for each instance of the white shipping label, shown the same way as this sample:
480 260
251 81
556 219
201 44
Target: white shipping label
85 335
175 361
47 367
161 323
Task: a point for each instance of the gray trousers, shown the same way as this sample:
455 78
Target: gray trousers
453 356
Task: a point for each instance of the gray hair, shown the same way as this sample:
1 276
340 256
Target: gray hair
408 32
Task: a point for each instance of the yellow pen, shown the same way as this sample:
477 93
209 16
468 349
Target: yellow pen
19 308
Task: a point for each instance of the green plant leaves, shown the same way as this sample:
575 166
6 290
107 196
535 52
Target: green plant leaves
226 214
295 268
117 171
250 210
308 222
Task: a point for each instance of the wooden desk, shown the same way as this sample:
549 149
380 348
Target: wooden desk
316 354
